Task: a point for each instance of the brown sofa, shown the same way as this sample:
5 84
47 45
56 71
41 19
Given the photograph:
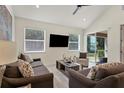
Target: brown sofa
42 77
110 78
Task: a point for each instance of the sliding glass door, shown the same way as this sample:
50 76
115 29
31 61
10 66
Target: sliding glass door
96 48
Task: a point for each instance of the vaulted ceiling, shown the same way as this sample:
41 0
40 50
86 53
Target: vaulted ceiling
61 14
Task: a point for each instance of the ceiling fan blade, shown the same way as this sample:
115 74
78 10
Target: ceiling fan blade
85 5
78 7
76 10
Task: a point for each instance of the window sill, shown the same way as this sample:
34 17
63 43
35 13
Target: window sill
74 50
34 51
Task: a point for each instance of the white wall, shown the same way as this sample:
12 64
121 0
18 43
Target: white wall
110 21
51 54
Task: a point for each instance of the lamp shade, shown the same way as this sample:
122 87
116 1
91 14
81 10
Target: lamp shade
8 52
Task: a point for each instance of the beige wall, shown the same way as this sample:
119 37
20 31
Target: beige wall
51 54
8 52
110 21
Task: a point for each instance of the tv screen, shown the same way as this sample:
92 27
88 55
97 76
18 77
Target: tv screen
58 40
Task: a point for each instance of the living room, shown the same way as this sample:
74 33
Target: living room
48 36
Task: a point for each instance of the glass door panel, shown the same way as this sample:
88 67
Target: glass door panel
100 51
91 48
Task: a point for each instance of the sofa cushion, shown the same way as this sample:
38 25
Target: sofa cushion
12 72
101 73
40 70
25 69
2 70
36 63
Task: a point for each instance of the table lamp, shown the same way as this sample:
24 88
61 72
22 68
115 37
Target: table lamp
8 52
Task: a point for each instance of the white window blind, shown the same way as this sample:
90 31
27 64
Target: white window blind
34 40
74 42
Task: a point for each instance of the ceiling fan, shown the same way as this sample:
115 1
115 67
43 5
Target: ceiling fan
78 7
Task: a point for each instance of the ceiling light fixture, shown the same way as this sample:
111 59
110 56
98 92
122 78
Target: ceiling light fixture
37 6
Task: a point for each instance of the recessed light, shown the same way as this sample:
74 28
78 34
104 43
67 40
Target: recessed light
84 19
37 6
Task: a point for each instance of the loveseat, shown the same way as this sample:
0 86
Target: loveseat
111 77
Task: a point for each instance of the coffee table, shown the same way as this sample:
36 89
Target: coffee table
64 66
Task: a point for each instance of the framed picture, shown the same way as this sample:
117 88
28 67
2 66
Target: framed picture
5 24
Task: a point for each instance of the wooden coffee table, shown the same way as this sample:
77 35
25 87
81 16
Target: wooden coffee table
63 66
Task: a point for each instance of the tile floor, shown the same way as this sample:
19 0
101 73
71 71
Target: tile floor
60 80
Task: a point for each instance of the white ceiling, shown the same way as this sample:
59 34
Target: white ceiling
61 14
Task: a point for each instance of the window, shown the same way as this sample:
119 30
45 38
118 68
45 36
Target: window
34 40
74 42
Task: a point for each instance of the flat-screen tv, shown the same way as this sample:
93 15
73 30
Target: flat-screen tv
58 40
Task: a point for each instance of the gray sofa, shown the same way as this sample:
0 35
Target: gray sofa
110 78
42 77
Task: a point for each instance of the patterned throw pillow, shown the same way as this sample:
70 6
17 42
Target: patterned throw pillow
92 73
2 69
25 69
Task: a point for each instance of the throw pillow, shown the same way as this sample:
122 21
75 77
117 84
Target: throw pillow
25 69
2 69
28 59
101 73
92 73
25 58
21 56
12 72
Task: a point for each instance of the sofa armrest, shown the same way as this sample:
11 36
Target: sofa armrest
36 81
108 82
78 80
